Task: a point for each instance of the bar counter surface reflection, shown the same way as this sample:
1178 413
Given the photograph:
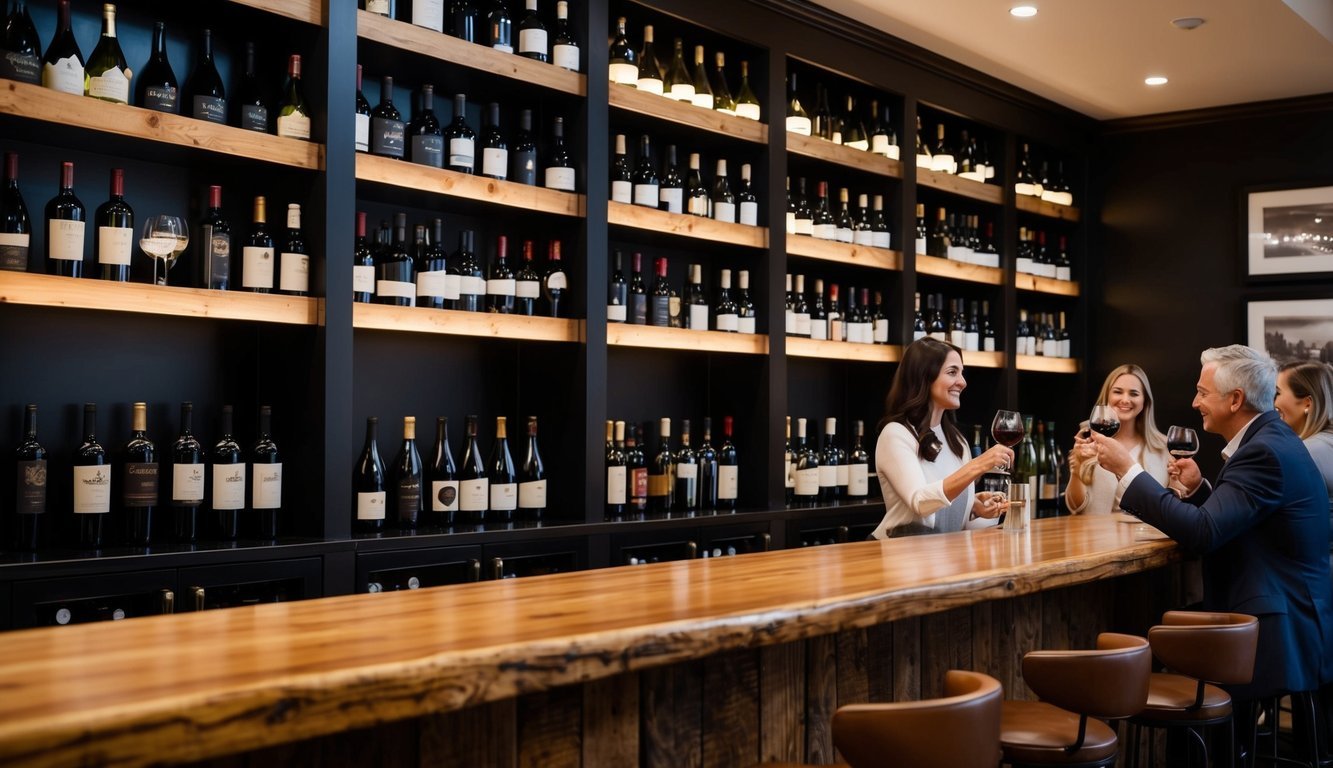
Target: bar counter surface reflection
193 686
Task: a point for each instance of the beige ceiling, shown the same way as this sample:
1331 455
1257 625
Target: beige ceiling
1092 55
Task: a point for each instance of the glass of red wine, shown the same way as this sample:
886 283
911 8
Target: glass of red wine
1103 420
1007 429
1182 443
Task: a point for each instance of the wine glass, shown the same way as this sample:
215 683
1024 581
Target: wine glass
164 239
1182 443
1007 429
1103 420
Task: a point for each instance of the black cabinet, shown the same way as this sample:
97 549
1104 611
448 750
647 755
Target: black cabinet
417 568
509 561
229 586
84 599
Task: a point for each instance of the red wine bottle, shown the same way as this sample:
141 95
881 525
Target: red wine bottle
502 479
92 484
407 479
473 483
426 145
462 141
140 478
386 124
443 477
65 222
30 496
532 477
229 471
15 226
115 232
363 264
368 484
527 284
215 245
728 469
362 116
616 473
266 478
187 479
394 279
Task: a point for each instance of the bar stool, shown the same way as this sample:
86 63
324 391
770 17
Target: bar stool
1305 712
1076 688
1202 650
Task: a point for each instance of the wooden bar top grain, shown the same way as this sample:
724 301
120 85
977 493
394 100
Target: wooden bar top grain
191 686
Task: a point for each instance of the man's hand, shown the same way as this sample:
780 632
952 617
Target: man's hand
1184 473
1111 455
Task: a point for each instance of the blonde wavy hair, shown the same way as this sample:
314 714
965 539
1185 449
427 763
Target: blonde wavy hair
1145 422
1314 380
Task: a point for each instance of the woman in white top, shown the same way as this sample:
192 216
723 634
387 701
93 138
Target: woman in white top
1305 401
1091 489
926 482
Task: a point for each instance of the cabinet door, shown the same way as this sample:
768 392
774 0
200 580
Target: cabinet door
733 540
662 546
83 599
538 558
417 568
228 586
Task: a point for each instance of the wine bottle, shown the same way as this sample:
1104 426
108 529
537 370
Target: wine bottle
728 468
30 483
644 184
92 484
494 149
706 457
924 159
500 27
843 221
818 314
187 478
624 66
427 138
697 300
723 202
532 34
659 309
638 294
472 281
723 101
257 253
430 14
474 486
503 481
671 188
368 483
206 97
823 226
106 76
462 140
943 158
362 116
386 124
661 471
266 478
363 264
835 323
156 85
293 260
443 477
523 157
806 490
214 242
293 114
139 479
822 125
115 232
696 194
560 172
745 311
678 85
686 464
65 221
527 283
800 309
229 474
20 47
617 300
805 220
1024 183
431 268
15 226
622 178
565 48
394 278
703 92
62 66
650 72
381 7
746 201
532 476
879 227
555 283
251 107
853 130
858 464
789 468
406 479
883 139
747 105
500 283
636 470
615 465
728 314
881 322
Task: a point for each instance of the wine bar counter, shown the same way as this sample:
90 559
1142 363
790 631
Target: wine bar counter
704 662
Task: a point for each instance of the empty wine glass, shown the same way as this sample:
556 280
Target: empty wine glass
1103 420
1007 429
164 239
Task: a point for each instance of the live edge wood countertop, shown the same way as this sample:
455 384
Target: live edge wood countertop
191 686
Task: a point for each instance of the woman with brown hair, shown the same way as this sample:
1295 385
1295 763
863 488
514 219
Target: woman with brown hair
1305 401
1126 390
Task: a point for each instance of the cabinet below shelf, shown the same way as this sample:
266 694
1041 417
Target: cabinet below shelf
842 350
957 270
948 182
1026 282
820 149
424 178
656 337
383 317
1030 204
684 225
1041 364
87 293
845 253
681 113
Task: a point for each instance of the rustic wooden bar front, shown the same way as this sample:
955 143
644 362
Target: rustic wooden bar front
724 661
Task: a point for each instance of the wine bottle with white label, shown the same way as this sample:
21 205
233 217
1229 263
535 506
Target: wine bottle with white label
115 232
745 311
293 260
501 477
425 137
62 66
650 71
266 479
703 92
624 62
443 477
728 313
747 204
560 172
616 478
686 466
15 226
140 479
723 101
206 97
20 47
747 105
155 86
368 483
807 468
293 113
431 268
363 264
723 202
187 479
645 187
257 255
430 14
798 120
858 464
474 494
30 486
471 279
107 76
617 299
500 284
697 300
728 468
92 484
532 34
622 178
462 141
65 222
532 477
362 116
494 149
527 283
394 273
229 480
678 85
564 48
406 479
555 283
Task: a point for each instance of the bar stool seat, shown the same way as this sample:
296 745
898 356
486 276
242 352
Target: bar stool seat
1037 732
1174 697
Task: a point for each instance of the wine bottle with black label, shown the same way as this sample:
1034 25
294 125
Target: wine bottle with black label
30 486
62 66
368 484
443 477
155 86
115 232
206 97
15 226
140 479
251 107
187 478
65 223
228 480
406 479
386 124
523 157
638 294
426 137
266 478
92 484
20 47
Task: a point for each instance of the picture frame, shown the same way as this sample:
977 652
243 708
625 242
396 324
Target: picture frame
1288 330
1289 231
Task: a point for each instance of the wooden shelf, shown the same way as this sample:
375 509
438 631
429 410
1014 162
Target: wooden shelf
1030 204
682 113
309 11
819 149
684 225
948 182
1026 282
1047 364
409 37
38 103
842 350
983 359
141 298
382 317
845 253
424 178
655 337
957 270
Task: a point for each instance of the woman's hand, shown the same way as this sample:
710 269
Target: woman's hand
992 459
1084 451
989 504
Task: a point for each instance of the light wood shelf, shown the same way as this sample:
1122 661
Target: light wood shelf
684 225
409 37
656 337
1026 282
1042 364
948 182
1030 204
983 359
842 350
383 317
845 253
683 113
819 149
141 298
38 103
413 176
309 11
957 270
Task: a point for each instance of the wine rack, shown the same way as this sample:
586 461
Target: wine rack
468 187
449 322
844 253
658 222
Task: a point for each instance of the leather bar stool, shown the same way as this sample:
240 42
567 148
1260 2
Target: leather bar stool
1078 689
1307 724
1202 650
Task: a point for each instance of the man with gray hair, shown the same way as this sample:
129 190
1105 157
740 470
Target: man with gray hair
1261 527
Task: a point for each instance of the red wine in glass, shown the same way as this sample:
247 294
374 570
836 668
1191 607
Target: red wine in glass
1007 429
1104 421
1108 428
1182 442
1007 437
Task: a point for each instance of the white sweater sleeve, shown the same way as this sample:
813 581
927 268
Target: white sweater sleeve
897 462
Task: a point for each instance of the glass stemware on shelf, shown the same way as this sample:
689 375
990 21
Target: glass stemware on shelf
164 239
1007 429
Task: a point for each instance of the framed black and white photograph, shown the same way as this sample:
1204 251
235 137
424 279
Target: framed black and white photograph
1292 330
1290 231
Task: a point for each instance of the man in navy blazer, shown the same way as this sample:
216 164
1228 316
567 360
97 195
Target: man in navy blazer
1262 527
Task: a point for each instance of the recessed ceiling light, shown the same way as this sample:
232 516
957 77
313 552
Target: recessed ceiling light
1154 80
1187 22
1023 11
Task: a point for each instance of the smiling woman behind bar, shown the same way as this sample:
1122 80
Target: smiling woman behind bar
1091 489
926 483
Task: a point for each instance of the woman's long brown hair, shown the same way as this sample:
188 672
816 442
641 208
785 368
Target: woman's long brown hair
908 400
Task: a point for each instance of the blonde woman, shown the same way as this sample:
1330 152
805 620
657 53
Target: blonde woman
1305 401
1091 489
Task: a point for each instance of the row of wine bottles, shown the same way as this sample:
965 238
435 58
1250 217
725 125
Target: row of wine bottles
969 160
970 331
863 226
106 75
494 28
822 317
1041 336
681 191
633 301
128 487
387 272
1042 184
645 72
957 238
846 128
687 478
817 475
1036 258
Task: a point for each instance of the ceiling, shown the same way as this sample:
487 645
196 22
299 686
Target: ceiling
1093 55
